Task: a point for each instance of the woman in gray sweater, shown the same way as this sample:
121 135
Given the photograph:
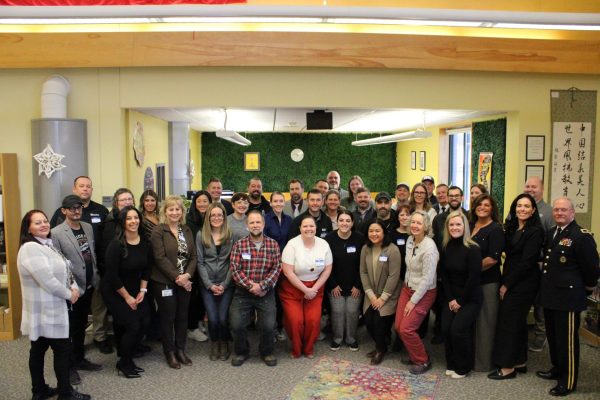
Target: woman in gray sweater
214 244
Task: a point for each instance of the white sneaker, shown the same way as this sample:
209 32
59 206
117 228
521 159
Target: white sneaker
322 336
454 375
197 335
281 336
449 372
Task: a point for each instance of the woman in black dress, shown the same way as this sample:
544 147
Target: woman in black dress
399 236
460 270
124 286
487 232
524 237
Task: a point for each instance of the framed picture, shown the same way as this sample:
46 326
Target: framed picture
251 161
413 160
535 147
422 160
484 170
534 170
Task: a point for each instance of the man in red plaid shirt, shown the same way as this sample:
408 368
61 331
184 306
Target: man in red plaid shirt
255 267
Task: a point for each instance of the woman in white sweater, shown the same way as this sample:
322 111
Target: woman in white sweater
419 290
47 286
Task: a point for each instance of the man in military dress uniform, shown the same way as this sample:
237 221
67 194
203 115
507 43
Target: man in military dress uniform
570 268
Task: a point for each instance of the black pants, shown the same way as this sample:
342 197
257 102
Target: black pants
62 353
78 318
562 330
457 328
510 343
379 328
130 335
173 312
196 309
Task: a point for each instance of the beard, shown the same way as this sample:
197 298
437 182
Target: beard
255 195
383 213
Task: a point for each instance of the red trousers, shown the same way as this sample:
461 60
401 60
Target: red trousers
408 326
301 317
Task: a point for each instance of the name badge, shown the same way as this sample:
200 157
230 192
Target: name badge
383 258
351 249
319 262
167 293
323 234
246 256
96 220
400 242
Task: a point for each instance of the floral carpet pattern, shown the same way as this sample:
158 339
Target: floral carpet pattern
334 379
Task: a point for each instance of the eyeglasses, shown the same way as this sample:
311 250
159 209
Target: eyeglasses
75 208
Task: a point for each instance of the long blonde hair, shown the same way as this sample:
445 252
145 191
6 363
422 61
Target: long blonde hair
206 232
171 201
466 238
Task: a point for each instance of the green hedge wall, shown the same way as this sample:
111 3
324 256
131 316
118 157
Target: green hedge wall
323 152
490 136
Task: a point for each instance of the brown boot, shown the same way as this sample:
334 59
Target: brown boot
215 350
224 352
172 360
183 358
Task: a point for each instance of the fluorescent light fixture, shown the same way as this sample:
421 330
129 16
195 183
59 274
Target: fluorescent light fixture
396 137
409 22
233 137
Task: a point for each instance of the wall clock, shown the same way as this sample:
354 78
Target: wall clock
297 155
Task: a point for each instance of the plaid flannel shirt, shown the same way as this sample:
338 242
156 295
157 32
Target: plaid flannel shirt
263 267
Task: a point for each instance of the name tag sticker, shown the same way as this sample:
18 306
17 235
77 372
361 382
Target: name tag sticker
351 249
323 234
246 256
96 220
319 262
167 293
383 258
400 242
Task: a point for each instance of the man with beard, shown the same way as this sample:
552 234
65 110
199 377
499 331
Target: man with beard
255 267
256 201
384 213
315 202
455 199
296 205
334 179
402 195
364 213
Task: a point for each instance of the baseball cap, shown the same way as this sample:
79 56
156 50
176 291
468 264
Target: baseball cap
404 185
71 200
428 178
383 196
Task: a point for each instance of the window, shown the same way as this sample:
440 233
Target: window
459 147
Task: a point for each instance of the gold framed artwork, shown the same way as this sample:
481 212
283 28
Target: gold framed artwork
251 161
484 170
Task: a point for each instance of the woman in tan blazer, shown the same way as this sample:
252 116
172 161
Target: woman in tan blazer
174 264
380 275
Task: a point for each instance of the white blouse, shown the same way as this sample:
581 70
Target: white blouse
421 265
308 262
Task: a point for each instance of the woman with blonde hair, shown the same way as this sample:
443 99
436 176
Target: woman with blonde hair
214 243
174 264
460 270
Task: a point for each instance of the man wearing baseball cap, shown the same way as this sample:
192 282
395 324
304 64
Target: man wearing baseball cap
402 195
384 212
429 183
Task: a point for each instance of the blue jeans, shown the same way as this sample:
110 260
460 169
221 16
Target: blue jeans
217 309
244 307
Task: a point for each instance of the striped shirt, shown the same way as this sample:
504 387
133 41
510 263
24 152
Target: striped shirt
249 264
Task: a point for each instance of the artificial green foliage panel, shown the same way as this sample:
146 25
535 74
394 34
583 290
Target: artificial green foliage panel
323 152
490 136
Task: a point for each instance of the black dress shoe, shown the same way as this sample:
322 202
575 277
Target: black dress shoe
498 375
136 368
172 360
559 390
128 371
48 392
74 377
377 358
549 375
104 346
521 370
74 395
87 365
183 358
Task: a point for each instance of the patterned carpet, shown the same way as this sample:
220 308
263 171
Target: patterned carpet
335 379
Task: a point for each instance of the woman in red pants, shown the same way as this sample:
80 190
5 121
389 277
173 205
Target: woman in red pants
306 264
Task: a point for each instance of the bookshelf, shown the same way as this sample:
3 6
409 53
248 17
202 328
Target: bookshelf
10 221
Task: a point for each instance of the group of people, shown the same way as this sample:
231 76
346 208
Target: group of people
279 265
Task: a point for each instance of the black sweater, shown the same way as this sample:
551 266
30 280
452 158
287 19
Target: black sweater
346 261
461 271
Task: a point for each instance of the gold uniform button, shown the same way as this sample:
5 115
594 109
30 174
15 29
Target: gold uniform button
563 259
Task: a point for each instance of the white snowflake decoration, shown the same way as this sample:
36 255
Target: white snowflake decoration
49 161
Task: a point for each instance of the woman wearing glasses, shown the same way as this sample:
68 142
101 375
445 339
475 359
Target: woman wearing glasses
420 202
214 245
